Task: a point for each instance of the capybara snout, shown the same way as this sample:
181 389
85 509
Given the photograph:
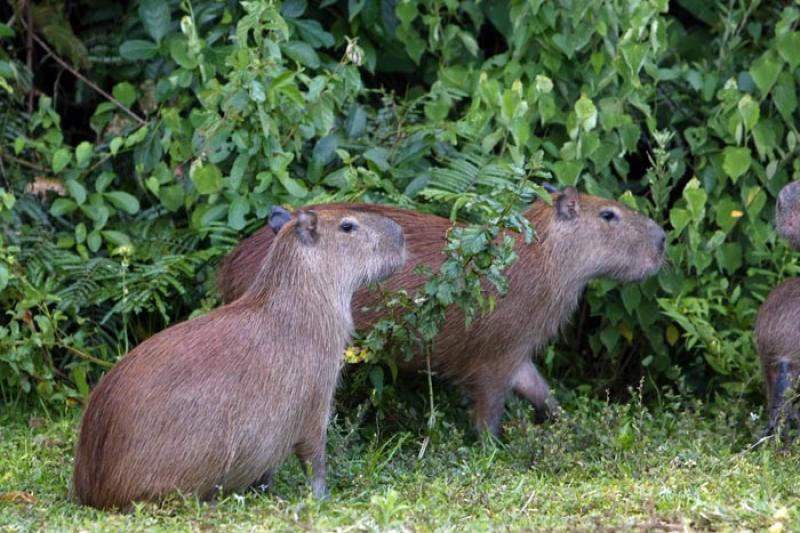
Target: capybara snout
788 213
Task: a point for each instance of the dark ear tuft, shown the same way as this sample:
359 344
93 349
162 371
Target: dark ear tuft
278 217
567 204
307 226
549 187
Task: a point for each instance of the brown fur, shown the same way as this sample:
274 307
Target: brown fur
219 400
788 214
777 328
777 333
573 246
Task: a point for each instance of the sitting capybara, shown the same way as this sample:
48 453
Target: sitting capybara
579 238
215 402
777 328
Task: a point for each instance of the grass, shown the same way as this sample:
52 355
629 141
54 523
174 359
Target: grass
681 466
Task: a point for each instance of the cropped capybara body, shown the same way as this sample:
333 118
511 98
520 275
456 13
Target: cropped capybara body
777 334
777 328
215 402
579 238
788 214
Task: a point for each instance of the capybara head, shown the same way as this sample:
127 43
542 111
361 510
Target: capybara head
366 246
605 238
788 213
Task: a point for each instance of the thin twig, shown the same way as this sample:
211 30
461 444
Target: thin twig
29 13
22 162
87 81
85 355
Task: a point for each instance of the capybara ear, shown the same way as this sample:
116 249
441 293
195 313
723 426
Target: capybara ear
278 217
549 187
307 226
567 205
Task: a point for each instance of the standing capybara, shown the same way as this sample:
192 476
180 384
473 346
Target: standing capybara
777 328
215 402
579 238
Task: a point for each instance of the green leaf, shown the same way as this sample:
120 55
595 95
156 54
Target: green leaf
61 159
76 190
312 33
83 153
568 171
93 240
117 238
207 178
379 157
137 49
294 187
736 161
785 97
302 53
171 197
6 31
587 112
788 46
62 206
237 211
354 7
748 111
765 71
3 276
155 18
125 93
179 52
122 200
292 9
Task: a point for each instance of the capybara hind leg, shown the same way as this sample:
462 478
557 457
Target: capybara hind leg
530 384
312 457
263 483
488 405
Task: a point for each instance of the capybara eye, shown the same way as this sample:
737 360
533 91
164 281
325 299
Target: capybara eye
347 226
608 215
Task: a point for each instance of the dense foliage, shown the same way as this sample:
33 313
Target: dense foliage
140 140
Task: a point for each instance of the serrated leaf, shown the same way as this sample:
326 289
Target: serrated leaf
736 161
155 18
207 178
171 197
765 71
788 46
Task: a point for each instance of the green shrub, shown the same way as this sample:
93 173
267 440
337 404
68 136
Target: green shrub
115 208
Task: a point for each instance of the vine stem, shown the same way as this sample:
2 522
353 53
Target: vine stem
84 79
431 405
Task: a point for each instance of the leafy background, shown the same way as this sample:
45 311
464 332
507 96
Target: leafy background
141 140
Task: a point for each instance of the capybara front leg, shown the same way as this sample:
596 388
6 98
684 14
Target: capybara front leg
530 384
488 405
312 457
779 389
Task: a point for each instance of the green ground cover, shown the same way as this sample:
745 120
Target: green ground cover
681 466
